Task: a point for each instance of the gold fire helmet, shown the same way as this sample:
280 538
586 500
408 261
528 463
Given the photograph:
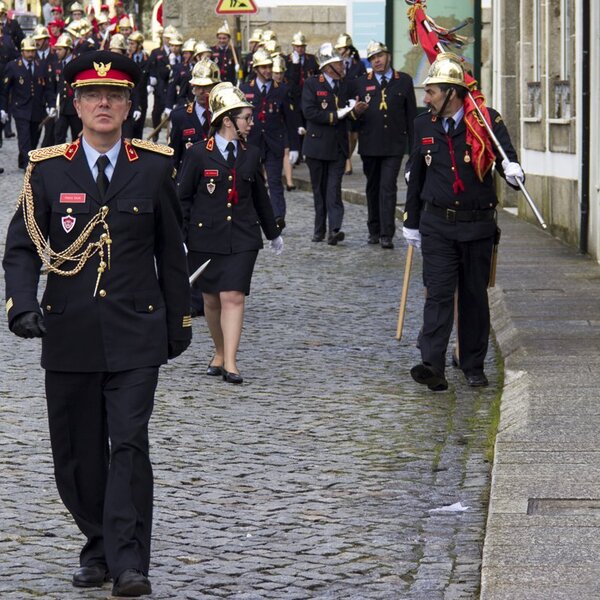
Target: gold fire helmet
28 43
136 36
169 31
298 39
40 32
224 29
327 54
175 40
189 45
446 68
256 36
268 34
202 48
344 41
117 42
64 41
76 7
279 64
374 48
262 58
205 72
3 7
225 97
273 48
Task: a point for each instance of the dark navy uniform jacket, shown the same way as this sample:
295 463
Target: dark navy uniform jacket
22 94
326 135
186 130
159 67
214 219
141 59
143 299
386 127
57 87
8 51
13 29
431 175
275 120
223 58
178 88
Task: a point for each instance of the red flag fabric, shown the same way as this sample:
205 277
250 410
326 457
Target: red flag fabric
423 32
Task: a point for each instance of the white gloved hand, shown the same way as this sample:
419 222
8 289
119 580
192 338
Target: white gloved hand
137 114
51 112
172 58
512 172
150 89
412 236
3 117
276 245
407 177
301 131
343 112
237 68
153 81
351 103
167 112
294 154
295 57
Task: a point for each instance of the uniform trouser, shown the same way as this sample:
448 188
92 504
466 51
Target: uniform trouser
326 180
382 190
61 128
138 126
48 139
158 110
449 265
99 436
274 167
28 137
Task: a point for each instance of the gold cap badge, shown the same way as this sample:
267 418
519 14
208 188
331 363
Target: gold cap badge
102 69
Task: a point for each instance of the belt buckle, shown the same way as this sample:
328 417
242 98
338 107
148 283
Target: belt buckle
451 215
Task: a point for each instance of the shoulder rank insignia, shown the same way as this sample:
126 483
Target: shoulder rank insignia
210 144
190 108
41 154
152 147
498 119
130 151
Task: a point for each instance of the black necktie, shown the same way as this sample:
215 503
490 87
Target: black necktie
230 154
450 123
30 68
336 87
102 180
383 81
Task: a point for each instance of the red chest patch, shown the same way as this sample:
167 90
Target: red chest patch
322 93
211 172
72 198
370 88
191 131
427 140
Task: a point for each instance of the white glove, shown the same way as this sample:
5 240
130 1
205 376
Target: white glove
343 112
167 112
51 112
301 131
153 81
150 89
412 236
512 172
294 154
351 103
137 114
276 245
295 57
407 177
3 117
237 68
172 58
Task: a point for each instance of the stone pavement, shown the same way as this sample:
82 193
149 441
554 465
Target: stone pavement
314 479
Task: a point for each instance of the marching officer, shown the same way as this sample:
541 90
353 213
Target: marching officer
222 54
23 93
191 123
254 44
300 65
8 52
48 61
135 49
327 105
385 131
180 76
275 126
451 214
60 94
101 216
10 26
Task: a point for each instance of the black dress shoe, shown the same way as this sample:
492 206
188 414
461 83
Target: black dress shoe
131 584
476 379
10 134
430 376
90 576
318 238
290 188
386 242
373 239
335 237
230 377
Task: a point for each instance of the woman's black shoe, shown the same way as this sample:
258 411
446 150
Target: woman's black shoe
230 377
214 371
290 188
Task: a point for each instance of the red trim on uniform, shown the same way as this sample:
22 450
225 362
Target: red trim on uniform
233 194
427 140
324 93
371 88
210 144
249 96
321 78
92 75
190 108
211 172
190 131
71 151
131 153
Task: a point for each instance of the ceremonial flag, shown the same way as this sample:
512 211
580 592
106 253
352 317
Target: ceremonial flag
426 33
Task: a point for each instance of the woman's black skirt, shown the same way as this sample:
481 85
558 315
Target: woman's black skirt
225 272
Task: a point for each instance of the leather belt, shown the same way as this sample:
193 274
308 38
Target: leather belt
461 216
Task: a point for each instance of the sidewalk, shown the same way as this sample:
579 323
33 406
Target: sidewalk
543 532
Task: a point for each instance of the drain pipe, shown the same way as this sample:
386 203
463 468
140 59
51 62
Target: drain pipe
584 214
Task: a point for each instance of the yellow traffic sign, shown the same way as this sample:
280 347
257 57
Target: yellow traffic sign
236 7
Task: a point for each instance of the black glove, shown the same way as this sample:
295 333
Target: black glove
176 347
29 325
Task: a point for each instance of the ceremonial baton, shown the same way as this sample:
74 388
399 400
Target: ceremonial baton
45 121
158 127
402 312
198 271
494 139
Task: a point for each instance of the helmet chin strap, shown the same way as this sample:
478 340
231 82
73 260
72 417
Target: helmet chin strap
440 112
335 71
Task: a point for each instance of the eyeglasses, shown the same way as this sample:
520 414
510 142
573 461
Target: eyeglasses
94 97
248 119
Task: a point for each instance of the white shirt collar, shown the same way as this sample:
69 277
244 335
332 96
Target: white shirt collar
92 156
200 110
329 80
389 74
222 145
457 116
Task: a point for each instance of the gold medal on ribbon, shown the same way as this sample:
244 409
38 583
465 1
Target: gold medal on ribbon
467 158
368 98
428 158
210 186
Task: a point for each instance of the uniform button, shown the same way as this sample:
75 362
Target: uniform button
385 126
199 224
229 205
102 293
452 168
69 210
136 209
230 178
150 308
229 217
229 191
491 205
385 116
456 203
48 306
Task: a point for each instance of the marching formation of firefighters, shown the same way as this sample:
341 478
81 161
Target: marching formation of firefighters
119 223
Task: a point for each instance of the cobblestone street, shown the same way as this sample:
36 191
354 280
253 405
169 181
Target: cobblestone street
314 479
